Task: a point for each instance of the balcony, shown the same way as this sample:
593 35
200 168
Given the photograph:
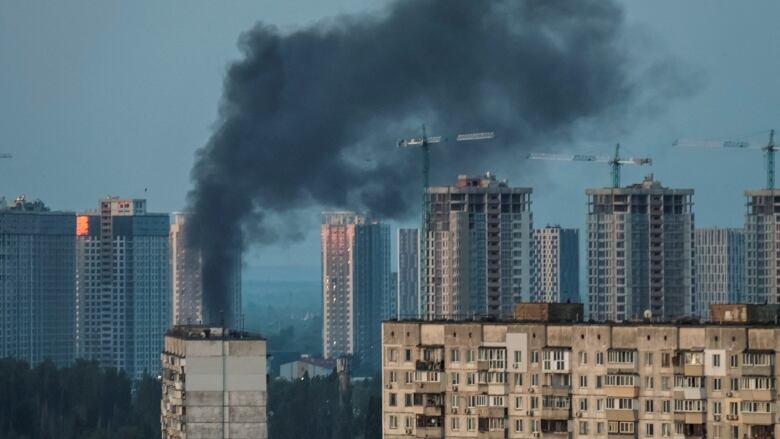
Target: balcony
434 365
554 428
756 419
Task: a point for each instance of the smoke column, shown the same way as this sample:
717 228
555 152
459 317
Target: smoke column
310 118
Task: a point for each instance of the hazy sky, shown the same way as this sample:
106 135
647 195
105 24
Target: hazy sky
112 98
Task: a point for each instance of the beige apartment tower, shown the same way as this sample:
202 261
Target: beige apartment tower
762 243
556 265
640 252
479 249
213 384
549 375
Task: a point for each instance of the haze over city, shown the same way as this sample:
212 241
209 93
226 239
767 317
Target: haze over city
115 99
389 219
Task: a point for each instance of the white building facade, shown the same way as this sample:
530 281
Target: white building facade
720 267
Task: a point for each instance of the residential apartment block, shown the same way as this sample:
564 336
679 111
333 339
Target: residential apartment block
356 286
762 245
556 265
408 273
719 267
37 283
122 285
187 283
213 384
479 249
549 374
640 252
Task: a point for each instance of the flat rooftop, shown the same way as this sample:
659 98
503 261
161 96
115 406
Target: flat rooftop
204 332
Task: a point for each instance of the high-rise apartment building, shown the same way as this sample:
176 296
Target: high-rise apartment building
556 265
719 268
122 285
37 283
762 246
187 283
557 377
408 273
479 249
355 285
640 252
213 384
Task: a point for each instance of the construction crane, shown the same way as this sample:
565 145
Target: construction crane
769 151
424 143
615 162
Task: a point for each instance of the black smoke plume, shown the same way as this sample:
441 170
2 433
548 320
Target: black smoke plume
311 117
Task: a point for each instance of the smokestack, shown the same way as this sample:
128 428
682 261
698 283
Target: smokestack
309 118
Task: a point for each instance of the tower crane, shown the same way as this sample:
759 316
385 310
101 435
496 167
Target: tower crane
615 162
424 143
769 151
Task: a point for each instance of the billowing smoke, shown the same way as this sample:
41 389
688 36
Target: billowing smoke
310 118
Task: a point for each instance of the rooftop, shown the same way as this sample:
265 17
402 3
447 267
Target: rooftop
203 332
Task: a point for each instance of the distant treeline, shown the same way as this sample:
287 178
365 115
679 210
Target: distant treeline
83 401
315 409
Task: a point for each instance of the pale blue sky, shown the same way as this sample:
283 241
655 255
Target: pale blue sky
100 98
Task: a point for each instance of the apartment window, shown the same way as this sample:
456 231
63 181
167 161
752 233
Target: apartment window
716 431
716 407
455 423
716 360
649 406
454 355
735 384
534 357
733 361
584 404
583 428
599 381
393 377
599 358
757 359
665 383
518 356
583 381
733 408
393 422
716 384
666 429
455 378
518 402
518 425
599 404
583 358
409 422
470 423
648 358
649 382
393 354
534 402
649 429
553 360
471 378
666 406
408 400
599 428
409 378
470 356
518 379
666 359
408 355
393 400
534 425
534 379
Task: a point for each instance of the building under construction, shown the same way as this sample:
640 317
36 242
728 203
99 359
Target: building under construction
640 252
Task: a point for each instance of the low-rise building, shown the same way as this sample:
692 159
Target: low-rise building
566 378
307 366
213 384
